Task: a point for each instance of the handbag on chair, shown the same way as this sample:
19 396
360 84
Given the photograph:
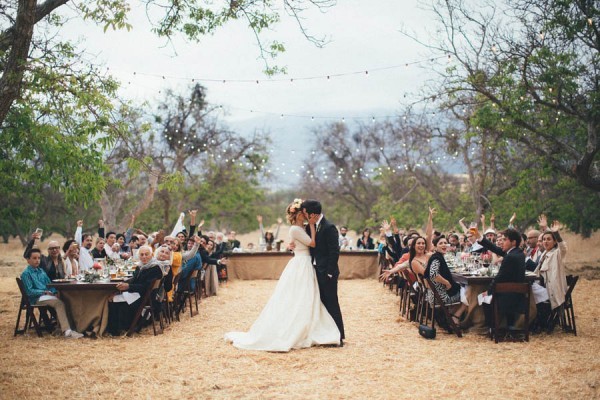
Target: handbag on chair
427 331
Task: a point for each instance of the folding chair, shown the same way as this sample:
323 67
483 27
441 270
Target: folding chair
30 319
188 293
439 306
146 304
511 287
566 311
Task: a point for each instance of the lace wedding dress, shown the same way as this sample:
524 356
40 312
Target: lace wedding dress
294 316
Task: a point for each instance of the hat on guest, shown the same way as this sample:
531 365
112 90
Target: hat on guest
489 230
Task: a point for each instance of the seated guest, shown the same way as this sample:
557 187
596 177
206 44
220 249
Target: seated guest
438 272
554 279
512 269
36 283
122 308
53 263
344 241
123 247
71 258
365 242
191 265
84 240
232 242
133 246
115 251
211 280
98 251
267 238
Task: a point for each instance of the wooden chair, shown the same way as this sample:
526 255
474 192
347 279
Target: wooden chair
30 319
146 304
511 287
439 306
566 313
187 293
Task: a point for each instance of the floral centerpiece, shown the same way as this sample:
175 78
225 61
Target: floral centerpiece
93 276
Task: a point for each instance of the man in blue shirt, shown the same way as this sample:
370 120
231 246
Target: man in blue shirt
36 282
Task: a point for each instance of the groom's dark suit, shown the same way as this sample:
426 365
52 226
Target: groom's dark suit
325 256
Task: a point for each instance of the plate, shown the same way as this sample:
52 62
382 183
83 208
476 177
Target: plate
63 280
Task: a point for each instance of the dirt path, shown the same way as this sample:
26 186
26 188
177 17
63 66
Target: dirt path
382 358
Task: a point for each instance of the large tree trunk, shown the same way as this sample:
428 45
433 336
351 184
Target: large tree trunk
12 74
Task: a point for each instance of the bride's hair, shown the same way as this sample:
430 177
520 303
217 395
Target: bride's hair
292 211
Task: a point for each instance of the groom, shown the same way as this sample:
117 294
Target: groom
325 256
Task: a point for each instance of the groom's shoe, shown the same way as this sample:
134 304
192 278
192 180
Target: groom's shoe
341 342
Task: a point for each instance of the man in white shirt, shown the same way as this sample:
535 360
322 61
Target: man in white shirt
85 242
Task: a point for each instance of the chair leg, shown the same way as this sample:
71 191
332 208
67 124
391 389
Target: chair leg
17 330
35 322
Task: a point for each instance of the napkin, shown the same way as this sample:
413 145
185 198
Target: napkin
484 299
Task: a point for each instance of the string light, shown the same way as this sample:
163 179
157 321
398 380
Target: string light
365 72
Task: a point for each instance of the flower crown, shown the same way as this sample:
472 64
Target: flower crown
296 205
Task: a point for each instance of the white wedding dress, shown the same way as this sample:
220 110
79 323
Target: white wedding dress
294 316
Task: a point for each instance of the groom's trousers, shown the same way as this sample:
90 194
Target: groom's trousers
329 298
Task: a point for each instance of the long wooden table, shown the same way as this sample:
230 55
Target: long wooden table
87 303
270 265
475 318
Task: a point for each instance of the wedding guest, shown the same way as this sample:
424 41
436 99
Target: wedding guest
232 242
552 269
120 312
35 281
53 263
438 272
365 242
98 251
71 258
85 242
512 269
191 265
344 241
211 277
267 238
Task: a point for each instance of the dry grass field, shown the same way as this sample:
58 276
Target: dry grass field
383 358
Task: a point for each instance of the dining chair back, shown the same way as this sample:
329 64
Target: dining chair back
511 287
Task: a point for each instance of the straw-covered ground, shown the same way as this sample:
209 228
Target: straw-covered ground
383 358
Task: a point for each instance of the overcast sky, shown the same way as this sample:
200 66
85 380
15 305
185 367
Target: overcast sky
363 36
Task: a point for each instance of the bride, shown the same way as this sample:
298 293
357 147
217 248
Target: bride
294 316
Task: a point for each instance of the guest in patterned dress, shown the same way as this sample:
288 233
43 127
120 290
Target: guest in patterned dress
438 272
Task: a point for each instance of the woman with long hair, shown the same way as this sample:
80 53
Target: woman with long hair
551 269
440 276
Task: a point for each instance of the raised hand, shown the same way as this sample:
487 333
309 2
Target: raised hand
279 221
201 224
80 222
482 219
432 211
385 225
512 218
555 226
543 221
101 223
193 213
493 218
259 219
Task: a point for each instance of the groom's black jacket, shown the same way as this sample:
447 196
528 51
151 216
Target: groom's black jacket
326 253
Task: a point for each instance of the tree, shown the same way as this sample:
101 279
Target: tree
190 18
535 63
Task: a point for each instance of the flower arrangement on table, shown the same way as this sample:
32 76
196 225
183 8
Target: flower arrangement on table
91 277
